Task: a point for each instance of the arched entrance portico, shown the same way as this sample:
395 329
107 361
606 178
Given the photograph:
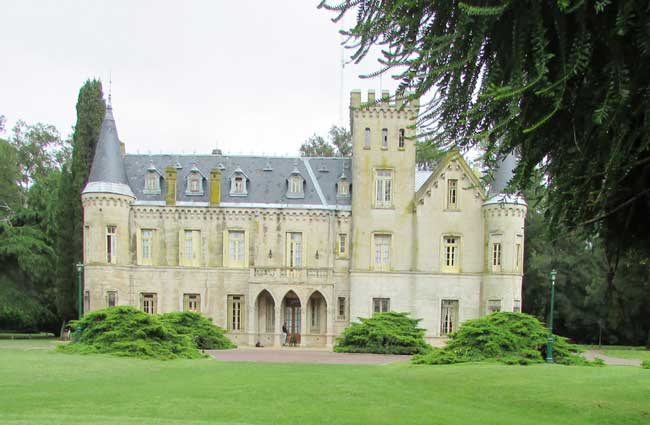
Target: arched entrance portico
292 317
265 320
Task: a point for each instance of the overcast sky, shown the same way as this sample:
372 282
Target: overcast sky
188 76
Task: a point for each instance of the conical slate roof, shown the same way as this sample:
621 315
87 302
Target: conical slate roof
504 172
107 173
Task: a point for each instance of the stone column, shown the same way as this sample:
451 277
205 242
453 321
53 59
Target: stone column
277 329
303 324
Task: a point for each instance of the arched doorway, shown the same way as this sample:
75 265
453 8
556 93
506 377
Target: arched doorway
291 316
317 314
265 323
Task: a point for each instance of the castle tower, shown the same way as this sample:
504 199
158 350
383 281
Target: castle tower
106 200
504 215
383 181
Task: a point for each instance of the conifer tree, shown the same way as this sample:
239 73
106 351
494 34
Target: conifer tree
563 82
90 113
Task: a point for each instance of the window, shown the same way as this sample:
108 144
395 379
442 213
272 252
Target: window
380 305
342 244
382 252
111 244
516 306
189 245
314 307
452 194
86 301
239 185
236 244
343 188
496 257
384 138
148 302
518 253
295 187
192 302
383 188
152 183
294 250
189 248
235 307
448 317
450 262
494 306
111 298
195 184
366 142
401 138
341 309
147 246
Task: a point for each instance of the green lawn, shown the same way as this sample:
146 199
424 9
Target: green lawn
43 386
639 353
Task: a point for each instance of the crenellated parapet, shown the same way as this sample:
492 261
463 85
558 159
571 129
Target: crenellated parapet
384 106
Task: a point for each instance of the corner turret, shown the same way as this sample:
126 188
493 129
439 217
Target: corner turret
107 173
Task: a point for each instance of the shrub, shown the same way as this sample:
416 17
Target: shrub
383 333
126 331
645 364
199 328
510 338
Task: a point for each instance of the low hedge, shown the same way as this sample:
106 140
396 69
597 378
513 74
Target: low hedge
510 338
383 333
126 331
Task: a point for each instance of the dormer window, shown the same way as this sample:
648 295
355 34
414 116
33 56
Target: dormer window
295 188
152 181
238 183
194 182
343 187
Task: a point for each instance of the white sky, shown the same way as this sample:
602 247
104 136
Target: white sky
246 76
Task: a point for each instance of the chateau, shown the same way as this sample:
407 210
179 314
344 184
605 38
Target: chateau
253 242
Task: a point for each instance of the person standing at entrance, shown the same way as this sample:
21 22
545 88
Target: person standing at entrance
284 333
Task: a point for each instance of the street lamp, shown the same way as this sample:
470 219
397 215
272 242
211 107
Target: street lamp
80 288
549 341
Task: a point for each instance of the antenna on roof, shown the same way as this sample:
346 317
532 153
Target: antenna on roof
110 89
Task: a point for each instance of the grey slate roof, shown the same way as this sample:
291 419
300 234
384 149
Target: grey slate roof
107 166
504 171
264 186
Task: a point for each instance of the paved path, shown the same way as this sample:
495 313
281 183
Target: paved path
616 361
301 355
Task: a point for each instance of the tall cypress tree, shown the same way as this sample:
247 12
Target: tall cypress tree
90 113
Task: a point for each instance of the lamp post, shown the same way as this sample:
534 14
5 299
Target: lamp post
549 341
80 288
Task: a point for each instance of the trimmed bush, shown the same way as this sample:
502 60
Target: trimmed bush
126 331
645 364
205 334
383 333
510 338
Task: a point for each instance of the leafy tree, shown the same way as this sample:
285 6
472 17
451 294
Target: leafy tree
90 113
339 143
427 153
35 147
341 138
9 173
316 146
562 82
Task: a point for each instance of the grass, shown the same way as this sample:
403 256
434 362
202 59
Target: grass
44 386
639 353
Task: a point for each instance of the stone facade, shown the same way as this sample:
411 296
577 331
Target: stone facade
254 242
